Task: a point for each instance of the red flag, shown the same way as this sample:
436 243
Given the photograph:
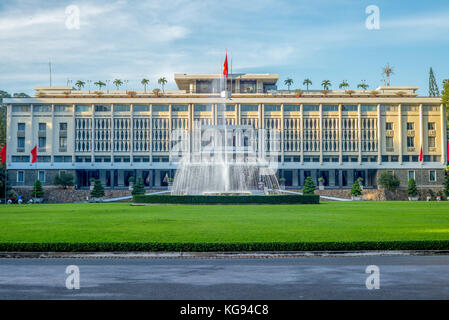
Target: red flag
225 67
34 154
420 155
3 154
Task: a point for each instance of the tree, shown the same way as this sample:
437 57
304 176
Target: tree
162 81
388 181
412 191
288 82
37 191
326 84
138 188
309 186
363 85
356 190
20 95
445 98
446 182
80 84
145 82
98 190
307 82
433 86
387 71
100 84
117 83
344 84
64 179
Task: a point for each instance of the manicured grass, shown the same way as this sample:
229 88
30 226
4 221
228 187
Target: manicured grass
327 222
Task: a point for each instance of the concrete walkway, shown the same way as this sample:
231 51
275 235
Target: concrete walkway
130 197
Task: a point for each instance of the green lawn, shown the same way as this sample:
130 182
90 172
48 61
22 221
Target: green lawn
329 221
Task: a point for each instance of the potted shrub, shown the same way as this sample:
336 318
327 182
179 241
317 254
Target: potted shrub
132 94
170 182
282 182
309 186
325 92
439 196
360 182
374 93
350 92
299 93
98 94
131 183
37 193
156 92
412 191
321 183
97 192
12 198
138 188
356 191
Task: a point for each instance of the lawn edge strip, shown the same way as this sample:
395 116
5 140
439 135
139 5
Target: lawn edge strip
223 247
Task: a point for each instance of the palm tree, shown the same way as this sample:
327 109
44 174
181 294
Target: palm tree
307 82
326 84
145 82
363 85
100 84
388 71
80 84
344 84
117 83
288 82
162 81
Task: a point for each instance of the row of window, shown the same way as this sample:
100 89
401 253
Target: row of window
389 144
410 126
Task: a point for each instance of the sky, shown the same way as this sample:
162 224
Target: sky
131 40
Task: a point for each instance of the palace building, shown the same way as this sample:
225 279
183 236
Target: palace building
339 135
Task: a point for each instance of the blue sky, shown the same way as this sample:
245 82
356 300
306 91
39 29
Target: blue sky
130 39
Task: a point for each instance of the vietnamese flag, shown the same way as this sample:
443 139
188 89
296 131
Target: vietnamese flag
3 154
225 67
34 154
420 155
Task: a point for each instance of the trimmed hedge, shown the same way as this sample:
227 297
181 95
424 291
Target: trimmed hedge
228 199
220 247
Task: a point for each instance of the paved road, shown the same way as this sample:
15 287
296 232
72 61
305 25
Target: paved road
403 277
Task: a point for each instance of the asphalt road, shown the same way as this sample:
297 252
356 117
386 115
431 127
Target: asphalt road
401 277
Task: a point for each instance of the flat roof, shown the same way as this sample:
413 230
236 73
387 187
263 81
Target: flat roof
183 80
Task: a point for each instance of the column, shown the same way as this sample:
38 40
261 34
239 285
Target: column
157 178
52 135
340 136
421 130
92 144
74 136
350 177
131 138
331 178
121 178
282 133
340 178
295 178
359 131
151 134
321 134
301 125
301 177
32 135
400 132
379 136
443 134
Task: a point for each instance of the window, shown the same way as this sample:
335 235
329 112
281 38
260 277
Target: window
63 159
291 107
141 108
410 142
21 126
369 108
410 126
307 107
162 108
20 176
431 142
62 142
349 108
330 108
179 108
63 126
42 142
62 108
411 175
389 126
83 108
42 108
431 126
102 108
21 159
43 158
20 142
41 176
271 108
122 108
389 142
42 127
432 176
230 107
247 108
20 108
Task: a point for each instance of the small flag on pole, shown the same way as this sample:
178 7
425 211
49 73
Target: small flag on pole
420 155
34 154
3 154
225 66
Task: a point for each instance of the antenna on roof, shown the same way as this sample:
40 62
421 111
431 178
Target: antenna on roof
49 67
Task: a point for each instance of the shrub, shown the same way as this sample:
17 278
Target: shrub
138 188
131 179
412 191
98 190
356 190
251 199
309 186
64 179
446 182
388 181
37 191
